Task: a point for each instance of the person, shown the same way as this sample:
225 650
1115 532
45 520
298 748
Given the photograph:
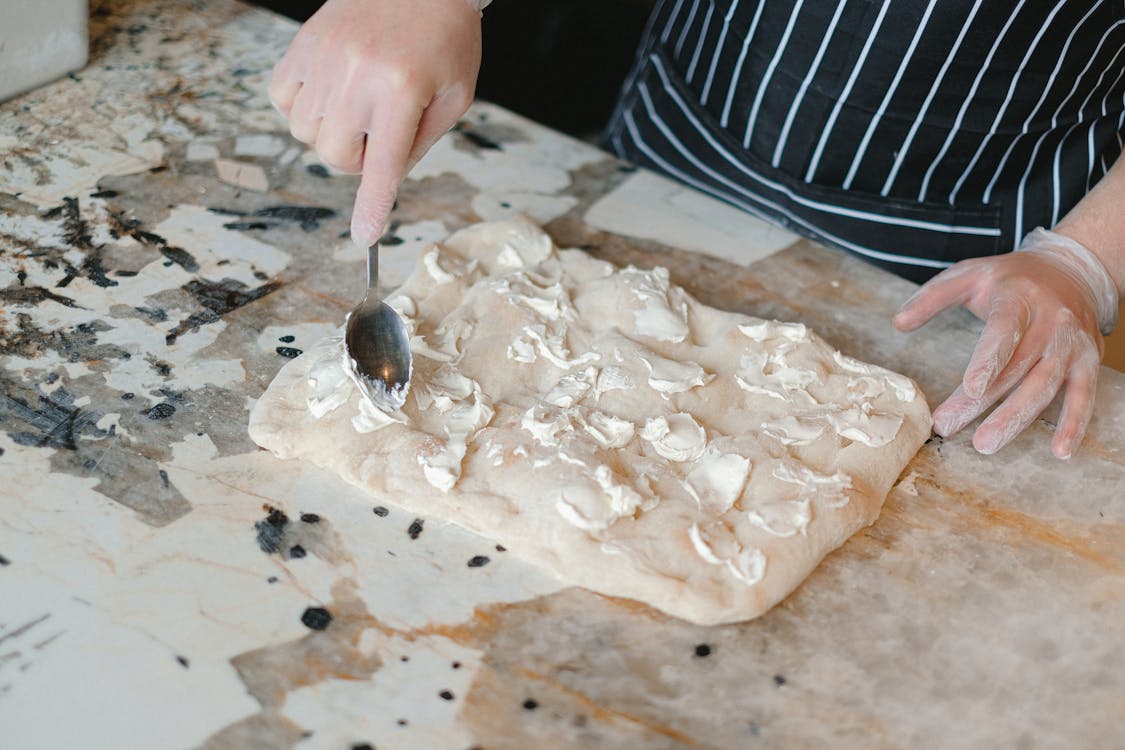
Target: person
929 140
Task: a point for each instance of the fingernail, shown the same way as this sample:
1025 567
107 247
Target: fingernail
362 234
1064 450
909 301
988 444
948 422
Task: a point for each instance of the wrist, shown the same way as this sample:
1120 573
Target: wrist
1086 266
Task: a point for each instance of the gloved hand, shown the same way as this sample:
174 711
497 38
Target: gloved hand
374 83
1045 309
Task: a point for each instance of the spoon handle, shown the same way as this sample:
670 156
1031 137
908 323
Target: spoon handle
373 270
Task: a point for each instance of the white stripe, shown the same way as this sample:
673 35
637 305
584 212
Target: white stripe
813 69
1021 190
615 124
671 17
1090 164
987 196
750 208
907 58
619 145
1089 137
1105 99
719 50
905 148
699 43
764 84
736 76
845 93
965 104
1055 177
683 33
1007 100
797 198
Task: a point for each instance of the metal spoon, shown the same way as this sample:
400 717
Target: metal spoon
376 345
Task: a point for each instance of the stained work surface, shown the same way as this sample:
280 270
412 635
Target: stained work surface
165 248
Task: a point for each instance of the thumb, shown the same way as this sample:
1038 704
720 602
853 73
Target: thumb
949 288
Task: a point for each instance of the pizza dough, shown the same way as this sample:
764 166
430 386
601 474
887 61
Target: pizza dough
603 424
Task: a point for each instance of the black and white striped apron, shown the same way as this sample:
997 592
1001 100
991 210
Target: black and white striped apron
913 133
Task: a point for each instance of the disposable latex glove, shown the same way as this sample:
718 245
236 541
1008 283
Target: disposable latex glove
1043 307
373 84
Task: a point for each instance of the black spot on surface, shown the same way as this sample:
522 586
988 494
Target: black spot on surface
363 746
477 139
456 665
316 618
446 695
217 299
162 368
128 396
183 661
307 217
310 518
54 420
289 339
317 170
180 257
415 529
289 352
401 722
271 530
163 410
164 478
381 511
296 552
32 295
246 225
478 561
779 680
702 650
271 579
530 704
104 194
4 560
501 548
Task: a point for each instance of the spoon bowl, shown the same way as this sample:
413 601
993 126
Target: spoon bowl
377 347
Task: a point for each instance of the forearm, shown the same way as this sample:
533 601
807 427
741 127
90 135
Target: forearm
1098 222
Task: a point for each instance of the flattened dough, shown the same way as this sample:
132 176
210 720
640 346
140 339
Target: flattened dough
605 425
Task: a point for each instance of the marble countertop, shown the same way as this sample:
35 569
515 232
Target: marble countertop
165 247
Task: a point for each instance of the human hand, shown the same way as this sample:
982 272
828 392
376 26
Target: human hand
1043 307
373 84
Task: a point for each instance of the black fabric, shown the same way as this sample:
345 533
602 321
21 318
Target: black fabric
913 133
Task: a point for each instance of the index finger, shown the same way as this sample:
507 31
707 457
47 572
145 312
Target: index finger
385 154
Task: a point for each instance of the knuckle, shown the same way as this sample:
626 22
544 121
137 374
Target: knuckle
341 160
302 131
